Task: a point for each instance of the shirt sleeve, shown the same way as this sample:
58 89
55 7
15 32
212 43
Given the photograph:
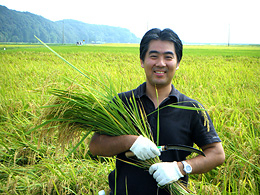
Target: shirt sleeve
203 131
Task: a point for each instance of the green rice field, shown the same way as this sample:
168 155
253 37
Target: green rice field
224 79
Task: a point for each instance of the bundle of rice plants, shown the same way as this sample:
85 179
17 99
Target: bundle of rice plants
70 112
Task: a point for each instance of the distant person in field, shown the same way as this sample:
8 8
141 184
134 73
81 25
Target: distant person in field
160 56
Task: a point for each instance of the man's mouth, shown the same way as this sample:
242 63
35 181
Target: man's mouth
159 72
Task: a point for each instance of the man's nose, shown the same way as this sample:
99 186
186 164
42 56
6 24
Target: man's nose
160 62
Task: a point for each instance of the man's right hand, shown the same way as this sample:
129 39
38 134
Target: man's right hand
144 149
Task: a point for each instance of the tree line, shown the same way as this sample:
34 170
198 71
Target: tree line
18 26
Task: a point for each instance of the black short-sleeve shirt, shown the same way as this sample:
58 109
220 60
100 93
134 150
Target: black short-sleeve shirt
176 126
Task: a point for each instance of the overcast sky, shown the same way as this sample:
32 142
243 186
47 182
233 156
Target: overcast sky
196 21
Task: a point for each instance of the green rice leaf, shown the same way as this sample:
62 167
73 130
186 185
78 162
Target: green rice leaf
187 107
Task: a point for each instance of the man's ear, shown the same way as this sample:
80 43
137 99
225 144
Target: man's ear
142 63
178 65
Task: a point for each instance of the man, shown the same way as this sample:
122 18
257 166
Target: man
160 56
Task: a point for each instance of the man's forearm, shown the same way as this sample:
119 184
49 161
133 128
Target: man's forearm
108 146
214 156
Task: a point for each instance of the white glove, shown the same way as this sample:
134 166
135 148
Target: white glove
165 172
144 149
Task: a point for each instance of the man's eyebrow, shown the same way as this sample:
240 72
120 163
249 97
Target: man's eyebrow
153 51
167 52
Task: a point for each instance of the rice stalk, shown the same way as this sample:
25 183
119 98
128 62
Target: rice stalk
158 116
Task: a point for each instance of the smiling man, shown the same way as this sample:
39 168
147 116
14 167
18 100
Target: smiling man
160 56
160 64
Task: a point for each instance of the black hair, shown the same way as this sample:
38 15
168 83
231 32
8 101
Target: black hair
163 35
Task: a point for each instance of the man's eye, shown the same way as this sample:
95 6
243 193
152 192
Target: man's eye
169 57
153 56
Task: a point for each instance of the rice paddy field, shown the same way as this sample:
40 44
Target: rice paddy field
224 79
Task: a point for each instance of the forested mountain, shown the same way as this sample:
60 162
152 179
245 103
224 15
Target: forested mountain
22 26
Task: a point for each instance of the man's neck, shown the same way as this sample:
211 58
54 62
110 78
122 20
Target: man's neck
162 93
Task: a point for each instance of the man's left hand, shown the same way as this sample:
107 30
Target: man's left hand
165 172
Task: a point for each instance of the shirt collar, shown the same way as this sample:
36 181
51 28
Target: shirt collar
141 91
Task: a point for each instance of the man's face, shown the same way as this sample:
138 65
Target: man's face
160 63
